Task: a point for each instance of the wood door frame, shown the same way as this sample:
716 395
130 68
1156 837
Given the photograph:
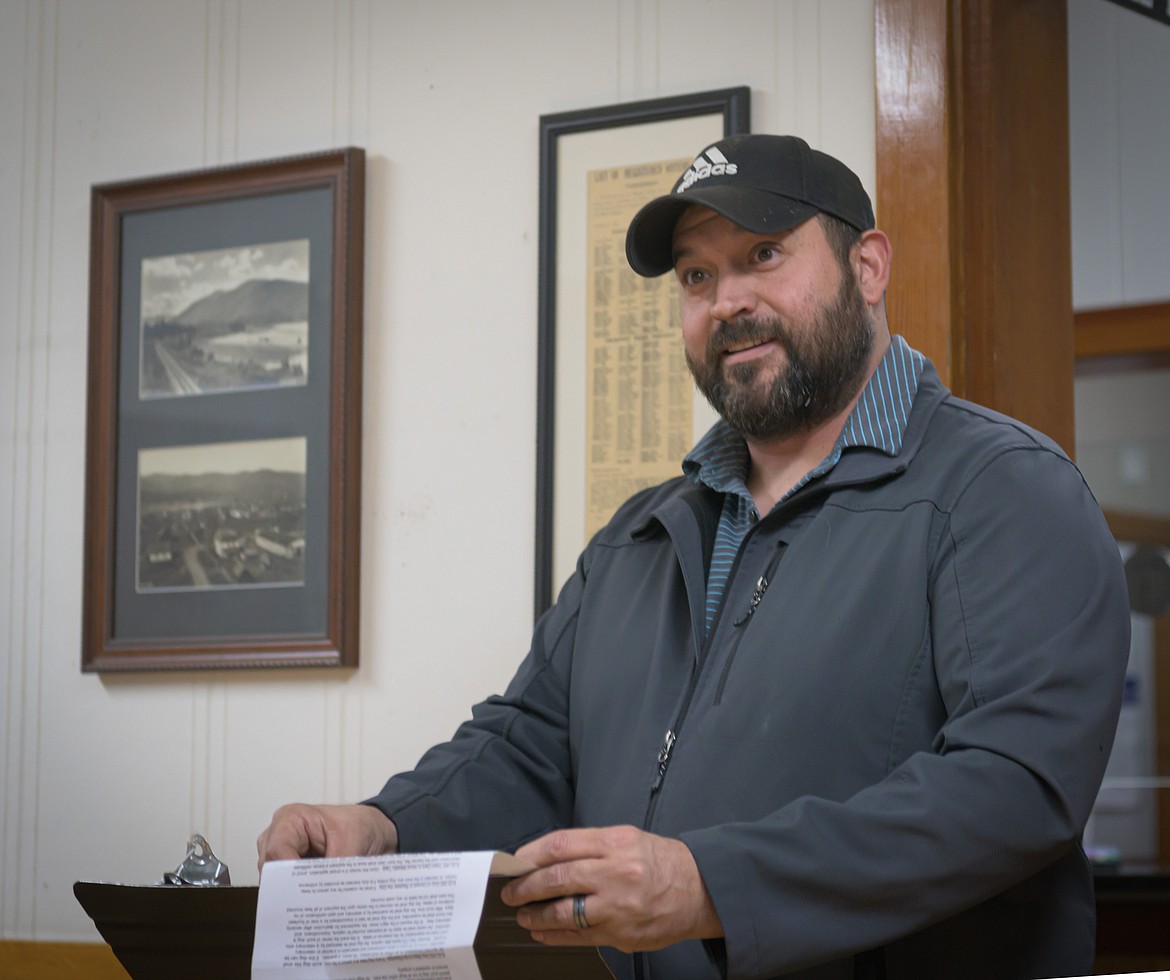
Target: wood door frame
1139 335
973 189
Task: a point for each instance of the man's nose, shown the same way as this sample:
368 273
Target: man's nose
734 297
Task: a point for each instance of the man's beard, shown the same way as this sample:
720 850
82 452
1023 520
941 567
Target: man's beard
827 362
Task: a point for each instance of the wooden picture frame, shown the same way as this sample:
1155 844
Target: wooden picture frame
223 469
596 167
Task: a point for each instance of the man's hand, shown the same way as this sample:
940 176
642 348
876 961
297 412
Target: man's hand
300 830
641 891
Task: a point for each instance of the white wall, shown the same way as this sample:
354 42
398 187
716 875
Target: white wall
104 777
1119 139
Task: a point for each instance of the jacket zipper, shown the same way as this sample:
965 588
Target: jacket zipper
740 624
668 741
757 595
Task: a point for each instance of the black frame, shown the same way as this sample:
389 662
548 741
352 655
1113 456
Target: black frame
311 621
1158 10
735 106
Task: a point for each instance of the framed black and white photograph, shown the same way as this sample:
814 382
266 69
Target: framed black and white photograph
224 516
616 407
224 433
229 319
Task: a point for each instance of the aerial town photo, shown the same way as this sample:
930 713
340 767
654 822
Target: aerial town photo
227 515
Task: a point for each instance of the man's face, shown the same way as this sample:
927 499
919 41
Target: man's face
777 334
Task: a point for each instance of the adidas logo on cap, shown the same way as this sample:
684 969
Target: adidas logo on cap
709 163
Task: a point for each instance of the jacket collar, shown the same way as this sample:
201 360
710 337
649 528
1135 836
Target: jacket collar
867 465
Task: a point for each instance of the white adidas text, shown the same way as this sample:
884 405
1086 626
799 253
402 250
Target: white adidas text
695 174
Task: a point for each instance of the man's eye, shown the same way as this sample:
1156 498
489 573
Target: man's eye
694 277
765 253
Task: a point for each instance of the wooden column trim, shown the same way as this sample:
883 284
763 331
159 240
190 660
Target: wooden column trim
972 166
914 178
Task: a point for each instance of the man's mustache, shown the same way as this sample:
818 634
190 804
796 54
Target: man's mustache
745 330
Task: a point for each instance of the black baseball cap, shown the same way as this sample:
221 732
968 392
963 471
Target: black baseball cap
762 183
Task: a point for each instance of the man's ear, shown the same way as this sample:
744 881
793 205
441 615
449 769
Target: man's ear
871 264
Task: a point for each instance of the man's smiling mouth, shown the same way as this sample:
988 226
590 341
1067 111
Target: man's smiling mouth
734 349
743 345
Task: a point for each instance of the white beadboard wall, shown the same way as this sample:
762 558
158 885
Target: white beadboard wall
104 777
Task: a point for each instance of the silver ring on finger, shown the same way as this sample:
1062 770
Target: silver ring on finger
579 919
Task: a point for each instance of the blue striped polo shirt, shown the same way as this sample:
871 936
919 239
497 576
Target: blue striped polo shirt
720 459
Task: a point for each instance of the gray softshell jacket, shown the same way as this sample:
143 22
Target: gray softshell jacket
886 749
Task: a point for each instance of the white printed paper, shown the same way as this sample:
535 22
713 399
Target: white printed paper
374 918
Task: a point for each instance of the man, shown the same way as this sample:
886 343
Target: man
883 630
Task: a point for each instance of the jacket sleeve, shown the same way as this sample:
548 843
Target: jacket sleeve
1029 627
505 777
